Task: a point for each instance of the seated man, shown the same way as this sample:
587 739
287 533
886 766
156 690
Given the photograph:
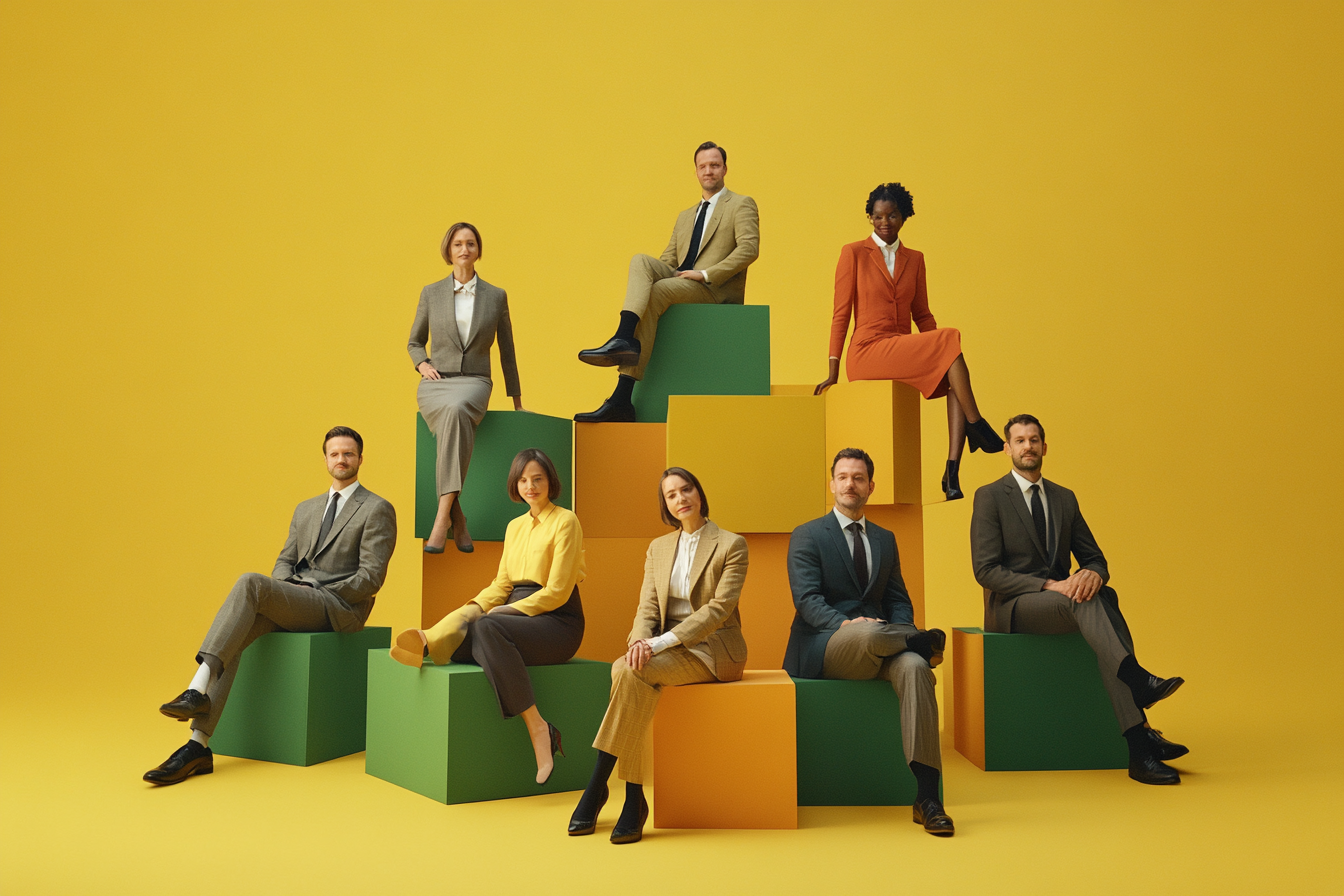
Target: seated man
1023 529
329 570
705 261
854 621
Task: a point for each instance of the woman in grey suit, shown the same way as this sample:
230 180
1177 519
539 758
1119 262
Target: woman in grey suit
460 317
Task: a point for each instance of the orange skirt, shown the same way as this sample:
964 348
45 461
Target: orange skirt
918 359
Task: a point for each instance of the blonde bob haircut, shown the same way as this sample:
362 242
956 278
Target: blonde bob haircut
448 238
520 462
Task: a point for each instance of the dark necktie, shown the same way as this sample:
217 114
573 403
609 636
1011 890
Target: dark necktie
694 250
328 520
860 556
1038 518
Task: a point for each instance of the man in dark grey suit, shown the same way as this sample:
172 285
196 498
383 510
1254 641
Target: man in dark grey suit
1023 530
331 567
854 621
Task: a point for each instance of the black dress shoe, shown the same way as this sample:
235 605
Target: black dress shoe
982 437
190 704
1148 692
951 481
192 759
579 827
1164 749
930 814
1149 769
635 834
610 412
617 352
929 644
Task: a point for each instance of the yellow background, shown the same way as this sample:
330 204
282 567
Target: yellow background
216 220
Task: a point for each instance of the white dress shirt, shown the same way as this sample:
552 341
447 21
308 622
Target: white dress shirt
845 522
888 252
709 213
1025 484
464 306
679 589
344 494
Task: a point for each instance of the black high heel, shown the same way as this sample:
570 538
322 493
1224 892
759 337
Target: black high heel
982 437
951 485
578 827
632 835
556 747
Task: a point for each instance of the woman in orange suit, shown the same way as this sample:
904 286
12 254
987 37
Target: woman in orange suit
880 283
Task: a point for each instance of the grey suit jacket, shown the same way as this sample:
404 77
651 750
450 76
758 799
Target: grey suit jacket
351 564
730 243
826 589
1008 557
436 324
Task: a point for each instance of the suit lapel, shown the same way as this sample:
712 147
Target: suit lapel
1054 517
875 255
450 309
709 540
902 256
666 556
841 545
485 297
1014 496
310 526
348 509
720 209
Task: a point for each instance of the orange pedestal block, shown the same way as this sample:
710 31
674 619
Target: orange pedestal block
616 470
725 755
766 606
611 592
450 579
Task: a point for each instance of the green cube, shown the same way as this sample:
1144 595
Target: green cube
485 497
849 744
299 697
705 350
438 731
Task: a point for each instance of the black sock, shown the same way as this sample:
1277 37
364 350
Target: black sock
1137 737
626 328
592 795
1131 673
634 800
926 781
625 387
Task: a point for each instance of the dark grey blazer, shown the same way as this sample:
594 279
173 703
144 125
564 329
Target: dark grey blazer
826 590
1008 557
436 324
351 564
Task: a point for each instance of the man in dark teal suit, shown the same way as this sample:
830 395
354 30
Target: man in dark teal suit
854 621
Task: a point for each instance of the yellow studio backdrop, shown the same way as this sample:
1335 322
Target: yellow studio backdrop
217 219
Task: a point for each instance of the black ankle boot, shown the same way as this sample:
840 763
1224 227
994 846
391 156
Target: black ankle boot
951 484
982 437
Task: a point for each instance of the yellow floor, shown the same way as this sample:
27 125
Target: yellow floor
1250 817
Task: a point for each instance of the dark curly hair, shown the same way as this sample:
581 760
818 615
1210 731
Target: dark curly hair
905 203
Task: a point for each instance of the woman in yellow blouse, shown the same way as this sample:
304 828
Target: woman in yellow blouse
687 630
530 615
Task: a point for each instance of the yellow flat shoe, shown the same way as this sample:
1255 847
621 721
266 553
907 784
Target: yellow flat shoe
409 648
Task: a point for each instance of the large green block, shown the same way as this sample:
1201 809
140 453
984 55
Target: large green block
705 350
438 731
849 745
485 497
299 697
1045 706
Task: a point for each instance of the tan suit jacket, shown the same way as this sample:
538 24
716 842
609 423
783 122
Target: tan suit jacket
436 323
730 242
713 631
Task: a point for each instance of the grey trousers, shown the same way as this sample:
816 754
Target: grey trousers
652 288
453 407
257 605
862 651
1102 626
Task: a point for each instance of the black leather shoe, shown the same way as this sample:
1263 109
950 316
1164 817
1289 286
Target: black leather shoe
930 814
617 352
632 835
1151 770
929 644
610 412
951 481
1154 689
579 827
192 759
1164 749
189 704
982 437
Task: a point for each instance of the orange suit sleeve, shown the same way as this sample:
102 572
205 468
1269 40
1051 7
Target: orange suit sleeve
919 308
846 293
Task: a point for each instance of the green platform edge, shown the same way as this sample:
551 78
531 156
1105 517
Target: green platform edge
705 350
409 723
1045 705
286 705
849 744
485 501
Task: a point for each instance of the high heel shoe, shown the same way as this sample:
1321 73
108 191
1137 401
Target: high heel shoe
410 647
429 549
458 520
632 835
951 485
982 437
556 747
578 827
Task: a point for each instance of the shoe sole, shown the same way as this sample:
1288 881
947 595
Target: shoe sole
937 833
616 359
1175 686
188 770
1173 754
182 718
1175 780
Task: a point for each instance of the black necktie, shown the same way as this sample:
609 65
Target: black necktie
1038 517
328 520
860 556
694 250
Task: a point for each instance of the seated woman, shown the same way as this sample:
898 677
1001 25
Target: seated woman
687 630
881 283
459 317
530 615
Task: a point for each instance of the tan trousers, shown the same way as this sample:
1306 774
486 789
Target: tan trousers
654 287
634 697
862 651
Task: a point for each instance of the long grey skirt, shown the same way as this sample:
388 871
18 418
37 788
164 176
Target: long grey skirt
453 407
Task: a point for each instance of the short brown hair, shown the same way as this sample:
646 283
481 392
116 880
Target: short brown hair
662 502
337 432
448 238
853 454
710 144
1023 420
520 462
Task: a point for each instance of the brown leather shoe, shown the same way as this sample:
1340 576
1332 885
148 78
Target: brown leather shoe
930 814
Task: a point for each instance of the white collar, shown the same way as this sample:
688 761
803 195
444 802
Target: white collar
1025 484
886 247
845 521
345 493
468 287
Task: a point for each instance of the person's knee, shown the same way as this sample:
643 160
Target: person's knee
910 670
249 586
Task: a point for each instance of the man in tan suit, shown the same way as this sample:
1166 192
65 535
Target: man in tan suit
331 567
705 262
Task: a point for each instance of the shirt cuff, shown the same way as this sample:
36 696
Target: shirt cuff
705 274
663 641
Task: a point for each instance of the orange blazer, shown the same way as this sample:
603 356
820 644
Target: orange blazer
880 303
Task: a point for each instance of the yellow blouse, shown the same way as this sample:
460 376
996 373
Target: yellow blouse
548 551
